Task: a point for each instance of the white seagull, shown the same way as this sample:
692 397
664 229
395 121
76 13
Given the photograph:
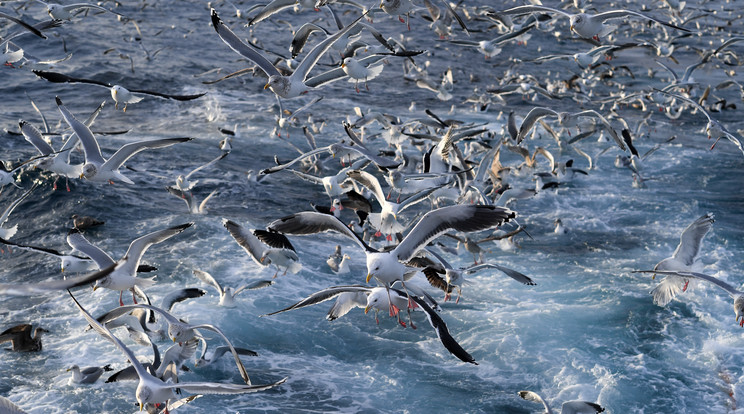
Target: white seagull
98 169
124 275
227 294
568 407
279 252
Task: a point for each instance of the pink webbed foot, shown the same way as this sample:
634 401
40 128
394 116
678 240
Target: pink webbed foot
393 310
378 234
447 297
389 237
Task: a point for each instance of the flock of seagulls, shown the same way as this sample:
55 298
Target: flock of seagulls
414 185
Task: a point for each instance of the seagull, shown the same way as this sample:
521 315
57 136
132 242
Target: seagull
736 294
87 375
64 12
490 48
152 389
339 150
388 266
20 337
590 26
568 407
359 72
378 298
182 181
23 24
124 275
565 119
40 288
8 407
338 262
70 263
227 294
713 128
683 259
284 86
280 252
191 203
98 169
7 233
119 93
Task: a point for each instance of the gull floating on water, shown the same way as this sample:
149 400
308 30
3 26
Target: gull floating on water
568 407
21 338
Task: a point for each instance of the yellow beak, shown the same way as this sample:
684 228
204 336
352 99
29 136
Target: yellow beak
266 86
343 65
82 176
174 339
366 309
369 276
142 405
94 288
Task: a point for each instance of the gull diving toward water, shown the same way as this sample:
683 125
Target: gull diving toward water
124 275
590 26
120 94
736 294
389 266
379 299
684 259
21 338
568 407
98 169
284 86
152 389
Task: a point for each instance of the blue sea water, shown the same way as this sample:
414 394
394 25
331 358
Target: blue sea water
588 329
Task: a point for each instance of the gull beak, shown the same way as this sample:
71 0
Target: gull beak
68 369
63 270
572 28
261 259
369 276
82 176
266 86
95 287
174 339
142 406
366 309
343 65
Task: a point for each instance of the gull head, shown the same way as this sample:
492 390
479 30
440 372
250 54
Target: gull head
58 12
577 21
384 267
377 299
89 171
102 283
278 84
143 395
177 332
739 309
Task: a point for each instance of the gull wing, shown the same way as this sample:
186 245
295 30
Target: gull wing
311 222
616 14
532 117
242 48
688 248
24 24
140 245
309 61
33 135
210 280
370 182
718 282
15 204
581 407
219 388
443 333
328 294
18 289
273 7
179 296
246 239
535 397
607 126
239 363
90 144
519 277
129 150
464 218
532 9
201 167
298 159
77 241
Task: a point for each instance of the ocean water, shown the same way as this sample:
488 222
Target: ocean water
588 330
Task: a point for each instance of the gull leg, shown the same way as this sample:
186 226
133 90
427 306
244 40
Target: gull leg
459 293
409 307
67 184
687 282
134 299
121 302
